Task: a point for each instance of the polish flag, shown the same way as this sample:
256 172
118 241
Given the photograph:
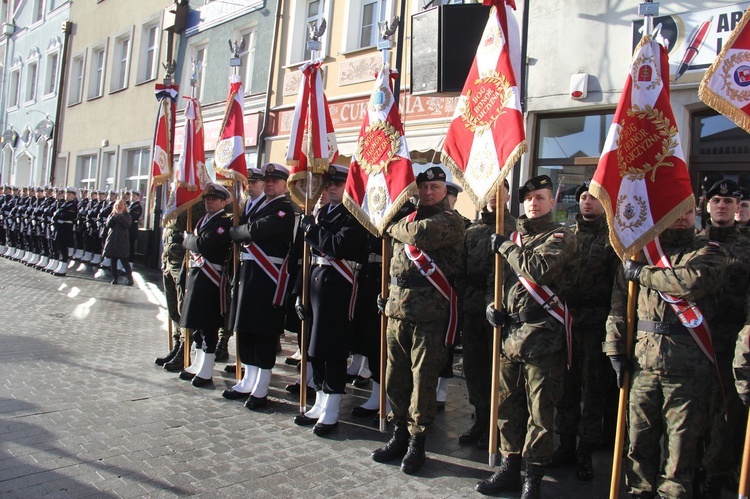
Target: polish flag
161 161
229 158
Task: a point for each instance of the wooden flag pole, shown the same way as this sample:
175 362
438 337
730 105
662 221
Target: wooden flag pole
614 484
189 228
235 271
744 488
385 270
304 326
498 331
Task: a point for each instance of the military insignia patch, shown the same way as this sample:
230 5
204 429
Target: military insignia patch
430 174
281 214
723 189
220 230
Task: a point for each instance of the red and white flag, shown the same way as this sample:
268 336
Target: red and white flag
161 160
229 158
380 178
642 179
726 85
190 175
312 141
486 135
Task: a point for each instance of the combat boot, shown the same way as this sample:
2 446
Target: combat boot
177 346
584 463
532 486
178 361
415 456
395 448
222 349
565 454
507 478
481 424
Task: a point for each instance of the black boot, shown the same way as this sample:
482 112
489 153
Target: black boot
130 279
507 478
177 346
395 448
473 434
565 454
177 363
415 457
712 486
532 486
222 349
584 463
114 274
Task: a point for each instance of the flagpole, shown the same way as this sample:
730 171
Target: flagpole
189 228
169 68
497 332
744 488
235 62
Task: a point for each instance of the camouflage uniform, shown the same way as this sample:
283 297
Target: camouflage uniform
418 314
476 263
590 375
671 375
741 362
719 456
533 344
172 263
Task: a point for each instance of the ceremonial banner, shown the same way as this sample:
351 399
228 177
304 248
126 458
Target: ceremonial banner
725 85
312 142
190 176
486 135
229 158
380 178
642 179
161 160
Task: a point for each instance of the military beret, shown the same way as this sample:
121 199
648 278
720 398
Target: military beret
275 170
337 173
745 194
254 174
725 188
217 191
581 189
453 189
535 183
434 173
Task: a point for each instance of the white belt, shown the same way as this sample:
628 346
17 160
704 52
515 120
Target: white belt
244 256
319 260
64 222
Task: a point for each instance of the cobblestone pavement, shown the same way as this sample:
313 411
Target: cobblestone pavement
85 412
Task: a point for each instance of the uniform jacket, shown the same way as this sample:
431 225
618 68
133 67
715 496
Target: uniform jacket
438 231
63 218
117 244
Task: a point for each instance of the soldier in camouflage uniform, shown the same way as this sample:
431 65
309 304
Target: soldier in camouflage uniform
590 375
533 342
418 317
741 362
476 263
671 374
723 200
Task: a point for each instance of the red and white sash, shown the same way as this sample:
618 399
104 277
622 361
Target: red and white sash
348 272
215 273
549 301
279 275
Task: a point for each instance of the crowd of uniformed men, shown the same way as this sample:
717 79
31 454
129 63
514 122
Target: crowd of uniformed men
684 413
51 228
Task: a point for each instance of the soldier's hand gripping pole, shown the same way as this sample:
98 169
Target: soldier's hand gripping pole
614 484
383 335
497 332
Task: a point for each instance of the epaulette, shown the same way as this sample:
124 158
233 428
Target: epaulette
450 212
558 235
715 244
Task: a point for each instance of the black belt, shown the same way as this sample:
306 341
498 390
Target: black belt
665 328
521 317
410 281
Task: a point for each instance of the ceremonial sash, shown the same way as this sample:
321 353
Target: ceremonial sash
429 269
549 301
280 276
215 273
347 272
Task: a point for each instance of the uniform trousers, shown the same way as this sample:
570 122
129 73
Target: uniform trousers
329 375
416 354
476 341
721 438
258 349
208 337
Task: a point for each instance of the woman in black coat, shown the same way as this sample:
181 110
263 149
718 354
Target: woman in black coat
117 244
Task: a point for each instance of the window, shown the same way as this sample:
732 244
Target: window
373 11
15 84
121 63
149 52
37 14
50 74
109 170
248 59
96 78
137 162
76 80
87 171
32 69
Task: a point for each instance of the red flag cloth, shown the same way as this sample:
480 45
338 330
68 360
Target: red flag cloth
486 135
190 176
229 158
380 178
725 85
642 179
312 140
162 156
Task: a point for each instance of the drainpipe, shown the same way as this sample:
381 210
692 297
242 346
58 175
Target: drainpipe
67 27
272 64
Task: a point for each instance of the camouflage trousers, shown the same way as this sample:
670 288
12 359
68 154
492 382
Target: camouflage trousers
529 390
173 293
722 451
588 380
476 340
672 407
416 354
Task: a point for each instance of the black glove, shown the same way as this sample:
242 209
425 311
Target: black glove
307 222
621 365
745 398
495 317
381 304
632 269
177 238
406 210
302 312
496 240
